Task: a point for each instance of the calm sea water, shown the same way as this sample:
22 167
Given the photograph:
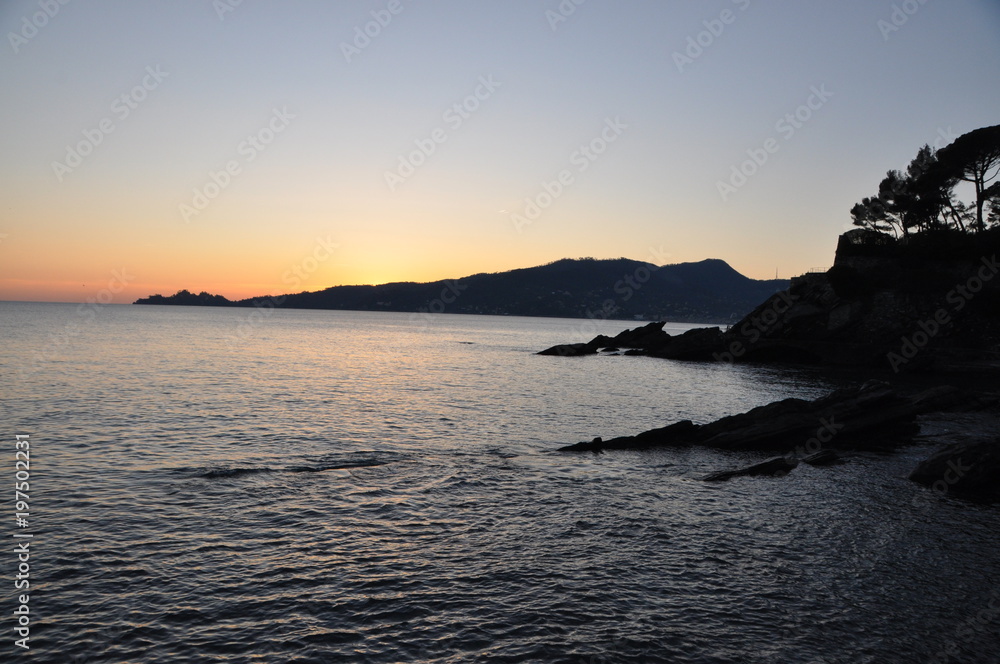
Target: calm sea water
355 487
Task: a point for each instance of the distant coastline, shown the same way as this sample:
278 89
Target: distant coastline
708 291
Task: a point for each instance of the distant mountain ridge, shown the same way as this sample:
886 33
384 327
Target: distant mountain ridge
708 291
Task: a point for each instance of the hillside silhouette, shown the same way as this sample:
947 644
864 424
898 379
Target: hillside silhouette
705 291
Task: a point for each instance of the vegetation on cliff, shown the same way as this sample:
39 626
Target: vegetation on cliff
927 195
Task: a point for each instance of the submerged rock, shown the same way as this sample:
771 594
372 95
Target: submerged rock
823 458
776 467
969 470
571 350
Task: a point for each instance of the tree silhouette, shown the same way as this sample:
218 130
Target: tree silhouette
975 157
911 200
923 197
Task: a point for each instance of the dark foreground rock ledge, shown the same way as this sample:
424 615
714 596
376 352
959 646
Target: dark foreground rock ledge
873 416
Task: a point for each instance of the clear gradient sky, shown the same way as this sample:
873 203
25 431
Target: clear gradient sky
117 113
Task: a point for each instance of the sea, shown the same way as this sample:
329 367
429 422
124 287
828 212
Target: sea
235 485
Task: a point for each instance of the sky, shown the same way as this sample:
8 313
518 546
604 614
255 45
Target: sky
252 147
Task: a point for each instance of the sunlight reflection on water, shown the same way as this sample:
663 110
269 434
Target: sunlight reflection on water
347 486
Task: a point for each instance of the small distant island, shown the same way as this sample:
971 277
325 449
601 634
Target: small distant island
708 291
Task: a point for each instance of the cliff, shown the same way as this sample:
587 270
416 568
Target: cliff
929 301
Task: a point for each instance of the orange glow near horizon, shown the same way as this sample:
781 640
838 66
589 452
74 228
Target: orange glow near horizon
240 254
605 151
235 282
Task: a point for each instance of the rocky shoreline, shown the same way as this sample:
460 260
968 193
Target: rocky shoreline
929 304
926 306
872 417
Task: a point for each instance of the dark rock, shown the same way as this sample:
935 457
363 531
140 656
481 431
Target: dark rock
865 311
872 417
874 298
702 343
679 433
610 349
650 339
647 337
684 432
570 350
823 458
776 467
968 470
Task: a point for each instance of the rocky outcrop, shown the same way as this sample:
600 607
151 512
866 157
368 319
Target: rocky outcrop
571 350
696 344
873 416
929 302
